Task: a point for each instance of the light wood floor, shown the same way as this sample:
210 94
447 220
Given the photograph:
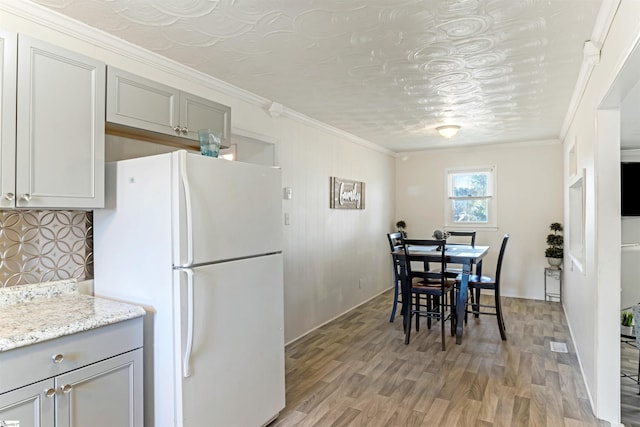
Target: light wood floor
356 371
629 397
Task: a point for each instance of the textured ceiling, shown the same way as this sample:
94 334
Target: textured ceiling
388 71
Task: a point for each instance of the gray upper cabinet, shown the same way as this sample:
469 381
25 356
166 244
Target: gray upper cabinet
142 104
9 58
52 131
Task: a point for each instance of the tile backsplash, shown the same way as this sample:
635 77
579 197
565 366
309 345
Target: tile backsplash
41 246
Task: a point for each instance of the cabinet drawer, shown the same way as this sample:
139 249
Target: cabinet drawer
35 362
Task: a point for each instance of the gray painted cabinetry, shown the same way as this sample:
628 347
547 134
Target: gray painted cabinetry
140 103
51 126
92 378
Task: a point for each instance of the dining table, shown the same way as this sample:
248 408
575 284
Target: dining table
465 255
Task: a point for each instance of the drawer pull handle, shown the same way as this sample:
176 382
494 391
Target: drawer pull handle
10 196
50 392
176 129
57 358
66 388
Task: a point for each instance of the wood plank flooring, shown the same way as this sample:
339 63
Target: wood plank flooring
356 371
629 397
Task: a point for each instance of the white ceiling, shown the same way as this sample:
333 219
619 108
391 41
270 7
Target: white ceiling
388 71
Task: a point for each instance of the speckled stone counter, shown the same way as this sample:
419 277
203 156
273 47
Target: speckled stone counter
34 313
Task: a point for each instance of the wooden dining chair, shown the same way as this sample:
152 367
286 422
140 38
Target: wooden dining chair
434 286
395 244
396 241
478 283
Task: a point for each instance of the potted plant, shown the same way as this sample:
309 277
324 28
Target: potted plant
401 225
555 242
626 323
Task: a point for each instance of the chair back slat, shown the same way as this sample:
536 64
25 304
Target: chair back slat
395 241
469 238
395 244
503 247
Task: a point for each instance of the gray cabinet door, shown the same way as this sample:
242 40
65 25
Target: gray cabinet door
198 113
29 405
105 394
8 60
60 128
142 103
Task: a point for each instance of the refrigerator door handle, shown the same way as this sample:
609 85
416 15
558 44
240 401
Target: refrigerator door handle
186 361
188 210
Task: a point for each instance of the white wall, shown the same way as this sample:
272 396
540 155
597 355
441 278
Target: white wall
529 187
592 296
334 260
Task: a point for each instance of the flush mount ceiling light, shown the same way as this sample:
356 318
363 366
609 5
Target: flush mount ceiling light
448 131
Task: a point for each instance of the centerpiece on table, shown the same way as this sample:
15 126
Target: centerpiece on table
401 225
440 235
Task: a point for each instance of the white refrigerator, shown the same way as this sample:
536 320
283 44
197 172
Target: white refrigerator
197 241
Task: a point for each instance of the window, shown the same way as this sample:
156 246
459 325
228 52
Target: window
471 197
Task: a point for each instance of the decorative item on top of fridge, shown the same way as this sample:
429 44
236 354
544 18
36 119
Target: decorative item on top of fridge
209 142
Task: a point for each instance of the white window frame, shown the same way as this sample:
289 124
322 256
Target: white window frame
491 197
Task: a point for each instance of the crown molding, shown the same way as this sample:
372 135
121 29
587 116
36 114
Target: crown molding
61 23
591 58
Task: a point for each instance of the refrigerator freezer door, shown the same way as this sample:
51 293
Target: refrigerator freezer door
236 209
236 367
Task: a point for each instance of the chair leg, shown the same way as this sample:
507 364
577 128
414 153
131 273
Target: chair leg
466 306
431 307
407 327
453 315
442 322
503 335
417 311
476 303
396 291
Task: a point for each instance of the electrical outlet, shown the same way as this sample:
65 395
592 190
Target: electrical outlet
287 193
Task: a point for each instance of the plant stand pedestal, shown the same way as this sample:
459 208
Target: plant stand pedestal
554 273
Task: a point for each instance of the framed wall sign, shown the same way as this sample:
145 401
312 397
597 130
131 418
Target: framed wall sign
346 194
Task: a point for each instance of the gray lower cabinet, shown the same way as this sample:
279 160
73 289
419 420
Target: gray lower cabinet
51 126
29 405
97 386
102 394
139 103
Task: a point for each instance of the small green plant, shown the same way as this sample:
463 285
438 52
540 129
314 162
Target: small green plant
555 242
626 318
401 225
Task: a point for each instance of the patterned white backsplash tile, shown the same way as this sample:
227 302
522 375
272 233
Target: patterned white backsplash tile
40 246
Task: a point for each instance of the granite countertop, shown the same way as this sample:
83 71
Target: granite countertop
33 313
